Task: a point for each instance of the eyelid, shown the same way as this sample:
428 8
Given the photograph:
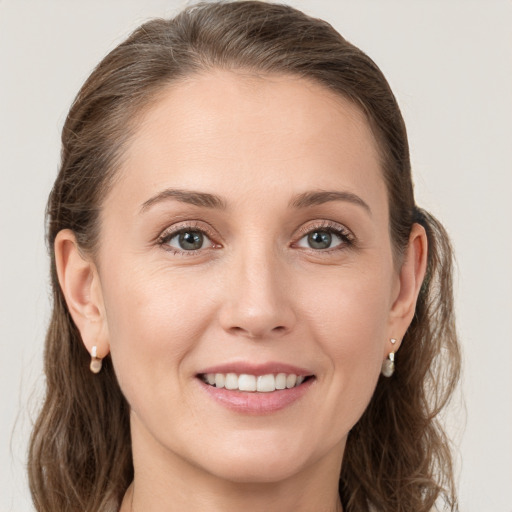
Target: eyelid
342 231
189 225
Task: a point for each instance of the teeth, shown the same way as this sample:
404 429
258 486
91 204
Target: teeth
266 383
291 380
219 380
281 381
247 383
231 381
261 383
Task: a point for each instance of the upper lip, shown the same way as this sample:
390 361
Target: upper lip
248 368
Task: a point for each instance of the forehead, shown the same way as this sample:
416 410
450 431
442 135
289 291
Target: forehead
275 131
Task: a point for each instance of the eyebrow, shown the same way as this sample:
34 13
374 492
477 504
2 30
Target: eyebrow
206 200
185 196
324 196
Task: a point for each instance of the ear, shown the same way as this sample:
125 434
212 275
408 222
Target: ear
411 278
80 284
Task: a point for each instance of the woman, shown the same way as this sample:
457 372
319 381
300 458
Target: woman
236 259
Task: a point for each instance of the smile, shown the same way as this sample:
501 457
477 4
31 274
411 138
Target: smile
253 383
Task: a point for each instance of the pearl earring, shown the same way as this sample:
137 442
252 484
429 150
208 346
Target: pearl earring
388 366
96 362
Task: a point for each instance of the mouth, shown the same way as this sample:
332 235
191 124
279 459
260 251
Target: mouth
256 388
248 383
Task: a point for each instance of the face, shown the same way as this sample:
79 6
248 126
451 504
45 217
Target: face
247 235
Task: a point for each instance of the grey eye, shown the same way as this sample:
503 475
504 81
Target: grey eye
320 239
189 240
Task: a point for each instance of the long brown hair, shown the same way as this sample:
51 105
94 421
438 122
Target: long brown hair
397 457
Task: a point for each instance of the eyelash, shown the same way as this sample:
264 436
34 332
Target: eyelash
170 233
346 236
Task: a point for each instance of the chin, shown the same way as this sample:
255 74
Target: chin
256 470
263 459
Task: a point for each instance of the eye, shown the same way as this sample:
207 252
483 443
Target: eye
326 237
320 239
187 240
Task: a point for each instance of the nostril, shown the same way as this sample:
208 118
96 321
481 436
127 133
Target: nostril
257 333
236 329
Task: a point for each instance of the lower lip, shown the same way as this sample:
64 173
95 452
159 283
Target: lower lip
254 402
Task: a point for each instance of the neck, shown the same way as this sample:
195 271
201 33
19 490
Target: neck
165 482
136 500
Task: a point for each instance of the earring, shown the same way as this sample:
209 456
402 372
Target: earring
388 366
96 362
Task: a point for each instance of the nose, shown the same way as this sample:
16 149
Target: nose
258 296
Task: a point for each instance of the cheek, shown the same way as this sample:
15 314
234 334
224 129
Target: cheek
350 319
154 322
350 311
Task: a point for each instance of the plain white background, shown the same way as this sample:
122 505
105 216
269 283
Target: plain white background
449 63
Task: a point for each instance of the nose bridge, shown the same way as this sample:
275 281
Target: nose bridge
258 304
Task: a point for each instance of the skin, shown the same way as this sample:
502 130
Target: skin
255 292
